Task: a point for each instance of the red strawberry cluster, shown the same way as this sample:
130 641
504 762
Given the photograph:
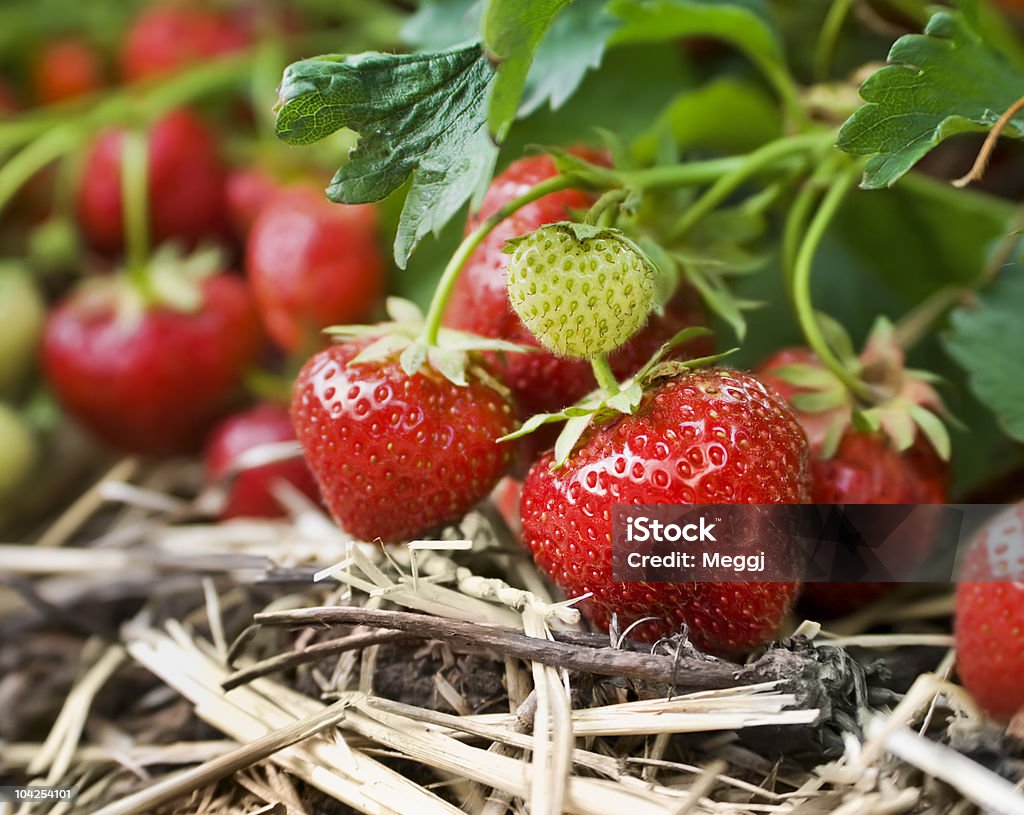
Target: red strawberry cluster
151 357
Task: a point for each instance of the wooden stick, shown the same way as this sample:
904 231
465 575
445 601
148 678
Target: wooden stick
317 651
686 671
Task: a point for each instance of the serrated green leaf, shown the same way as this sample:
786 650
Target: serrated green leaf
946 81
568 45
573 45
986 340
418 115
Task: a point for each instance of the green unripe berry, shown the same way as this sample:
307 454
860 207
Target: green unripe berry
580 290
17 450
21 323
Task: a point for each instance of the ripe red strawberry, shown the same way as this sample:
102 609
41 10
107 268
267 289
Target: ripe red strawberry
247 191
150 381
251 491
313 263
542 382
186 185
66 68
164 39
990 616
397 455
865 469
704 437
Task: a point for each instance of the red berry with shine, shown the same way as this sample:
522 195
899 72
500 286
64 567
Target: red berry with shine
542 382
705 437
186 185
990 615
164 39
313 263
251 491
152 382
865 469
65 69
247 191
398 455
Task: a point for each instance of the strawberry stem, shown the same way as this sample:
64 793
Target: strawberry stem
916 323
752 163
446 284
801 283
135 195
603 374
32 158
603 211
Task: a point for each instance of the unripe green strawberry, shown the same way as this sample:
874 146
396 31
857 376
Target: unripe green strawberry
581 290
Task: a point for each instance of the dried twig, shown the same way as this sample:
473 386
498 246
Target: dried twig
686 671
313 653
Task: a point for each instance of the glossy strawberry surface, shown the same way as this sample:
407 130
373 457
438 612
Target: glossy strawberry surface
398 455
865 469
313 263
251 490
707 437
185 181
990 615
151 381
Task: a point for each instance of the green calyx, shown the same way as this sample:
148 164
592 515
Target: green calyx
606 404
450 354
581 290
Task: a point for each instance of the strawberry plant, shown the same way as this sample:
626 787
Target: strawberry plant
423 300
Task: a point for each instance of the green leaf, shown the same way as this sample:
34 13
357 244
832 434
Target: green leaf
946 81
727 114
418 115
513 30
986 340
573 45
440 24
556 52
744 24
